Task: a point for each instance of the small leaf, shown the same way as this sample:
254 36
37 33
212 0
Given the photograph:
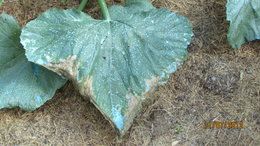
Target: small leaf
244 17
114 62
22 84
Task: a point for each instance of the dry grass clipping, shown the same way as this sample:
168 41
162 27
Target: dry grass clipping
215 84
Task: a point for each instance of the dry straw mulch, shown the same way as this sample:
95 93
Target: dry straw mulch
215 84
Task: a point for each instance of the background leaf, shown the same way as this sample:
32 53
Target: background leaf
244 17
22 84
1 1
116 62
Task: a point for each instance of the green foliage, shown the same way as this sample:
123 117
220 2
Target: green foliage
179 129
244 17
64 2
114 62
22 84
1 1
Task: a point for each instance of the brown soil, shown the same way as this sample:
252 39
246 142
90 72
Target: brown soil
215 84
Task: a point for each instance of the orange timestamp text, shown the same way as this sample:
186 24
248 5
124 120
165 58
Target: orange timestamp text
222 125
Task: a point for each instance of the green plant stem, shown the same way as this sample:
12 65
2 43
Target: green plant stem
104 9
82 5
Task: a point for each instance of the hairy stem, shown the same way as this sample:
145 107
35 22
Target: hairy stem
82 5
104 9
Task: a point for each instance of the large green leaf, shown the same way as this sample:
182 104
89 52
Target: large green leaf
244 17
1 1
114 62
22 84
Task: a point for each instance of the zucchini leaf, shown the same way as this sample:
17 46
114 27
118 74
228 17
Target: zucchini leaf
22 84
244 17
113 62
